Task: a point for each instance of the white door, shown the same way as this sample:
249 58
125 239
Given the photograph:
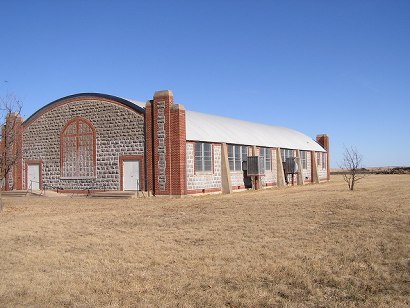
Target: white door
131 174
33 176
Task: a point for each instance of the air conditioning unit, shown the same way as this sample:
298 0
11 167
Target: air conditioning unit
290 166
255 166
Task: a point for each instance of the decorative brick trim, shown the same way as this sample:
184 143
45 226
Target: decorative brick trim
62 149
57 104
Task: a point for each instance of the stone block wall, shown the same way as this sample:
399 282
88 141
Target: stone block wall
198 181
270 177
119 132
322 171
307 173
237 179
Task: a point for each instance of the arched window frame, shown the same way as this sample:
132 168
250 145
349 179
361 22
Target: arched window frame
78 173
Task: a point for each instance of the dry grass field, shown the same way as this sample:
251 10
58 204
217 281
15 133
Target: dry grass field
311 246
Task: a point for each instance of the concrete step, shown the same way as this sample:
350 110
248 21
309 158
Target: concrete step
115 194
14 193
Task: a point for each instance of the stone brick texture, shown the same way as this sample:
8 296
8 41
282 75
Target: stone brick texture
270 177
322 170
307 173
203 180
119 132
237 178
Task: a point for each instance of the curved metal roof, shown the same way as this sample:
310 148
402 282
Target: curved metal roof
211 128
138 106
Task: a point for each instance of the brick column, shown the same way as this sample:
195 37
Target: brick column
11 151
178 150
166 145
323 140
149 147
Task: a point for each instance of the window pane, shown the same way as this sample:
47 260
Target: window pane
238 160
262 153
207 165
203 156
268 159
231 157
207 157
207 149
71 129
303 159
198 163
230 150
78 150
198 149
244 153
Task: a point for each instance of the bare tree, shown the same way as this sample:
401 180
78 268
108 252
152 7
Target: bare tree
10 108
352 167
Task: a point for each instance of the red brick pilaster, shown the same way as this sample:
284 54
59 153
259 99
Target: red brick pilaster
11 151
323 140
161 140
148 146
166 145
178 150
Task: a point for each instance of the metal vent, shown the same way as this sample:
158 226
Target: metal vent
255 166
290 166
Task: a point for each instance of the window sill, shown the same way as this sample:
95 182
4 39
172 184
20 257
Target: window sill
203 173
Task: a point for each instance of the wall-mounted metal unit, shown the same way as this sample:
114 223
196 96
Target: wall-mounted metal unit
256 166
290 166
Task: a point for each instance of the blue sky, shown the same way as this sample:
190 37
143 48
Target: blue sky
335 67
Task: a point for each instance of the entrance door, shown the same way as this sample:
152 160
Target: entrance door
33 176
131 174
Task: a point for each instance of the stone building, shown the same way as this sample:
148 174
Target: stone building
95 142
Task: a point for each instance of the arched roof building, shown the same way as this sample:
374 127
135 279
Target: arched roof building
93 142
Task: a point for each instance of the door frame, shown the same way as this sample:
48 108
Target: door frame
40 174
140 159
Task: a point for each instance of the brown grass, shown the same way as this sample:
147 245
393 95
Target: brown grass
317 245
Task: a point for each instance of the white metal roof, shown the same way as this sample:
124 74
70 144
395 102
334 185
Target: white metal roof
211 128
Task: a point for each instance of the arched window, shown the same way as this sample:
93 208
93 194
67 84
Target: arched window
78 149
